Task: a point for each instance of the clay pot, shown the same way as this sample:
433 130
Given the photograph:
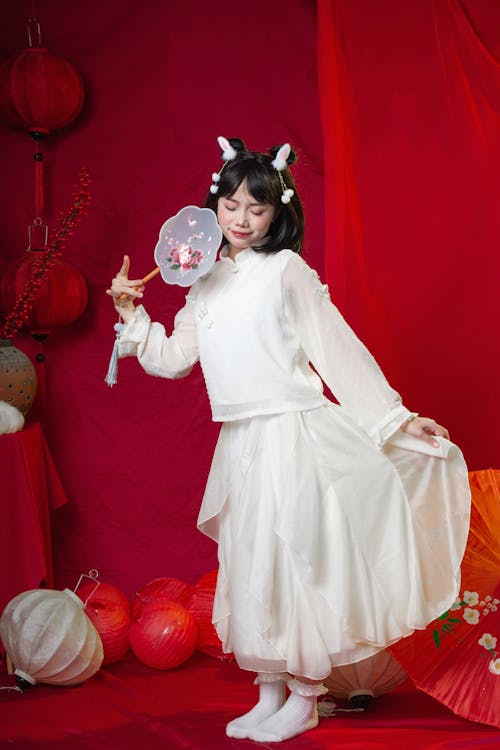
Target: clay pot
18 381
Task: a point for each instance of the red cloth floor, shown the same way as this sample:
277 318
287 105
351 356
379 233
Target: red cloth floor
128 705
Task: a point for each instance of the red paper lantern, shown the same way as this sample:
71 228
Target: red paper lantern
159 590
201 605
109 610
163 635
62 296
39 91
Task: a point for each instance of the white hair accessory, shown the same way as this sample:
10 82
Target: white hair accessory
228 154
280 163
280 160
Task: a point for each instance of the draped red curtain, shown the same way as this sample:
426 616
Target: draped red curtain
410 102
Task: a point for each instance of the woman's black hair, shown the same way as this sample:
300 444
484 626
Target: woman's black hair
264 185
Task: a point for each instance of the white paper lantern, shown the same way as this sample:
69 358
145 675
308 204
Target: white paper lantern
49 638
362 681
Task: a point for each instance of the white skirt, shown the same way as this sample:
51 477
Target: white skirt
329 548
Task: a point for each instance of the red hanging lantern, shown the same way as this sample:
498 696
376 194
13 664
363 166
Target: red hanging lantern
60 300
39 91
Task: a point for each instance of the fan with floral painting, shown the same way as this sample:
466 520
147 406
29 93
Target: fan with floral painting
186 250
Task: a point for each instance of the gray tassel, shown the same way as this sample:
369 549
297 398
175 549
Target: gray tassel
112 376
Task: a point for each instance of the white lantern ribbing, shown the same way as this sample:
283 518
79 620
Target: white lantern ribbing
49 638
365 679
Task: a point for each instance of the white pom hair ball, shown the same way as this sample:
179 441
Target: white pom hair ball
11 419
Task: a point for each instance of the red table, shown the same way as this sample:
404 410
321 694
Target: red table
30 489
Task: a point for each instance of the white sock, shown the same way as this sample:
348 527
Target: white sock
299 714
271 699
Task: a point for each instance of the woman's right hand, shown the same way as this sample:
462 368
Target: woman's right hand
122 285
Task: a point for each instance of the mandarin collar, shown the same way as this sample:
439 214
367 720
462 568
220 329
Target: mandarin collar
242 257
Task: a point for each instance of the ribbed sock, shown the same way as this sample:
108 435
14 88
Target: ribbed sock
271 699
299 714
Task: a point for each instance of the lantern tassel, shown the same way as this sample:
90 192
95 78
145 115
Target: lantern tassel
327 709
112 375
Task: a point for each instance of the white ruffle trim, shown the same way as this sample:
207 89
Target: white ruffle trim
302 688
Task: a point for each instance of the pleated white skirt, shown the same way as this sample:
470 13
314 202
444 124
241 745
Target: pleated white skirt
329 548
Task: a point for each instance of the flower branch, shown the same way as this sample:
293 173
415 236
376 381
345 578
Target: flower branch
66 224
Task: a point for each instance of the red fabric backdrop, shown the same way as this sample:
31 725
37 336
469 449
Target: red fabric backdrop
162 81
410 101
410 227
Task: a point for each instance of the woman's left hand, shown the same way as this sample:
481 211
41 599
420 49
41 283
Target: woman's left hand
424 428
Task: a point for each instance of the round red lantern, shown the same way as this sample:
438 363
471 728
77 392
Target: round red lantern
61 298
201 605
109 610
160 590
39 91
163 635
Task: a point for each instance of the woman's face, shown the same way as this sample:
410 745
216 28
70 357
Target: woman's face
243 221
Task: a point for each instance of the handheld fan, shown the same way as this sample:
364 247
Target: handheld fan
187 245
186 249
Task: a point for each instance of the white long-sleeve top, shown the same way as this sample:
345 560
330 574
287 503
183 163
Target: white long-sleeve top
255 324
